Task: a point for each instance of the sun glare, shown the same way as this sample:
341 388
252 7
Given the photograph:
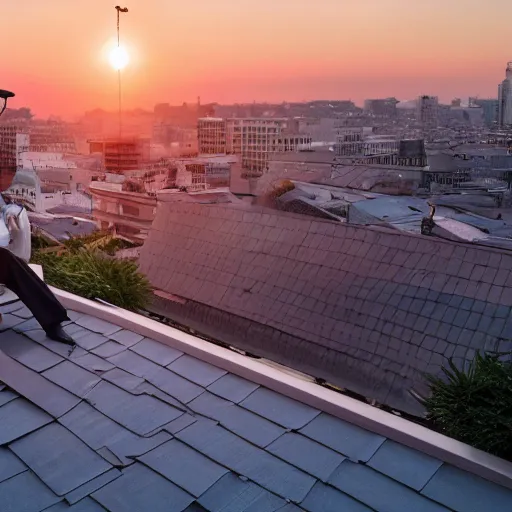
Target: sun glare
119 58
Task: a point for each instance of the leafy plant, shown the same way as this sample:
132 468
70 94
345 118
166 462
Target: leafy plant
93 275
474 405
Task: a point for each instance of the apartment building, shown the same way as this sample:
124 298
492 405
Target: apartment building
253 139
13 142
120 155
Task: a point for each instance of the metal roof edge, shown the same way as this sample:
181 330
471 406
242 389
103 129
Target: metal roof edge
396 428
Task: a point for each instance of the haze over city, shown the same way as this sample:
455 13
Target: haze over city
227 51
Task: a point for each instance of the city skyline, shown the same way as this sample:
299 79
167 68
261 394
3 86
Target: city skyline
271 52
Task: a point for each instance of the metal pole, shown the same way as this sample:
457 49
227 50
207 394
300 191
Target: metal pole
119 80
119 10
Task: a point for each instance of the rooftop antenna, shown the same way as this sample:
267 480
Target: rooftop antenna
119 10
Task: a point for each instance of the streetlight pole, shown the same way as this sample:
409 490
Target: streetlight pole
119 10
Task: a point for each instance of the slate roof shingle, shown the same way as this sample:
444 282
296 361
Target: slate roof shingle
369 309
82 443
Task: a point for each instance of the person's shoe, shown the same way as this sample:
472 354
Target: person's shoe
57 333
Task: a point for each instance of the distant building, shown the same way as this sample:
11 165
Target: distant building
127 213
254 139
490 109
211 136
13 142
184 116
320 129
381 107
505 98
367 146
427 111
121 155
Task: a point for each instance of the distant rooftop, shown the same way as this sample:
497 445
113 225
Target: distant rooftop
128 424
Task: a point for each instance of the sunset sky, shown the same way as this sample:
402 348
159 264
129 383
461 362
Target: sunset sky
54 52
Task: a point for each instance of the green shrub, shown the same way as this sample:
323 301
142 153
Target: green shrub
475 405
93 275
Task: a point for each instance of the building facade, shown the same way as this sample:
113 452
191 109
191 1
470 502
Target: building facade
252 139
381 107
428 111
505 98
490 109
121 155
13 142
211 136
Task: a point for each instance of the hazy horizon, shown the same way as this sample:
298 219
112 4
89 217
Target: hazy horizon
224 52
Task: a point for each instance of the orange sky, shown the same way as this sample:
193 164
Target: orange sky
240 50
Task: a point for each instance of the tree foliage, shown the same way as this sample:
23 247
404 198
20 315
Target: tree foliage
474 405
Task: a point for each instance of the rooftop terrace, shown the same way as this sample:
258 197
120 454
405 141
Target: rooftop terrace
141 417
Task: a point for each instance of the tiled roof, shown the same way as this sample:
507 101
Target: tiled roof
127 424
368 308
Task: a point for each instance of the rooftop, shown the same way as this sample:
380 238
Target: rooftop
138 418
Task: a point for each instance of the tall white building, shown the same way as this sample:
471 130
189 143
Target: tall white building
505 98
253 139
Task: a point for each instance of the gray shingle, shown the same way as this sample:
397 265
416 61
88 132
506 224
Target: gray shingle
323 498
39 336
126 338
279 408
9 321
7 396
176 386
184 466
59 458
464 492
108 349
91 362
233 388
72 377
10 465
386 494
142 490
196 370
242 422
244 458
94 428
141 414
124 380
85 505
28 352
90 340
135 364
350 440
232 494
404 464
92 485
306 454
27 325
156 352
129 448
180 423
19 417
25 493
94 324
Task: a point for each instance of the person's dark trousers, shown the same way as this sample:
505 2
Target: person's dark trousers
32 291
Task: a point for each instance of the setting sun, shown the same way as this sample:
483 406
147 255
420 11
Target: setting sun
119 58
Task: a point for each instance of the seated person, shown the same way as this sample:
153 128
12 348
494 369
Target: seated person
31 290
